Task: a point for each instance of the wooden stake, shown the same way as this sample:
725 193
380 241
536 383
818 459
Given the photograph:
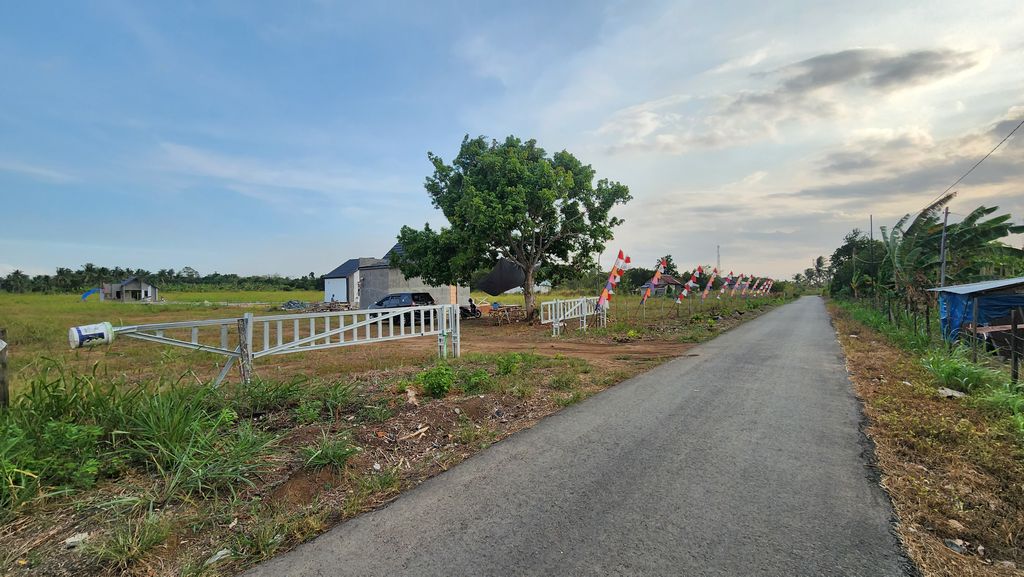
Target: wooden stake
244 348
974 328
1015 317
5 393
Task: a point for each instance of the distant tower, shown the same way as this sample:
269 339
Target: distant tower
718 258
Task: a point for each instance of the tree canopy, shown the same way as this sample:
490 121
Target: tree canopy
512 200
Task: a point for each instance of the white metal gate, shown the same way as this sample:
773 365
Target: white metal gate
249 337
557 312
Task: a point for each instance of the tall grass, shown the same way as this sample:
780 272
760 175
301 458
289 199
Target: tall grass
68 430
950 367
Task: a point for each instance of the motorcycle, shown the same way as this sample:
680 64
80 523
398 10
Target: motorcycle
470 312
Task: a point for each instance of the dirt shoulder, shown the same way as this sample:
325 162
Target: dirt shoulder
954 472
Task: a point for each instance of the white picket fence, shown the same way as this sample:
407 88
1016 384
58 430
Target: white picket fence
254 337
557 312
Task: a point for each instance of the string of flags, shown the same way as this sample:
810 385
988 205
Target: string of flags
731 283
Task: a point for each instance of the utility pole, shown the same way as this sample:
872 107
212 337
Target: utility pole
718 258
871 237
942 249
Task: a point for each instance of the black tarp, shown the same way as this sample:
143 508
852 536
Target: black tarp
504 276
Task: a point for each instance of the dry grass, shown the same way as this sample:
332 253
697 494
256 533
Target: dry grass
953 471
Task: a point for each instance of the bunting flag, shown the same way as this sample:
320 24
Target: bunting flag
691 285
767 288
753 289
736 285
747 286
725 285
654 280
622 263
711 279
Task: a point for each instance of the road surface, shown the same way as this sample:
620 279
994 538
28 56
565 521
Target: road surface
743 460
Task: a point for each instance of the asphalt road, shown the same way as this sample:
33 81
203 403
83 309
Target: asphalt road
743 460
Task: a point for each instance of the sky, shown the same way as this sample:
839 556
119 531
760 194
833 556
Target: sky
286 138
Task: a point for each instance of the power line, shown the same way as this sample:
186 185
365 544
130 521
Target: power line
976 165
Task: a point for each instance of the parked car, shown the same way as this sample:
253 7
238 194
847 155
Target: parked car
399 300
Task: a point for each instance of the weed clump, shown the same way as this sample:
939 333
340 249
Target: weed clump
129 542
437 380
956 371
329 452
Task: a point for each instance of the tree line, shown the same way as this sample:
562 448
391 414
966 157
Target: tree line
907 260
89 276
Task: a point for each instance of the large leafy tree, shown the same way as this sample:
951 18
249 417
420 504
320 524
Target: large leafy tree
511 199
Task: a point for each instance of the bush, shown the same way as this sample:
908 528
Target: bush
477 381
437 380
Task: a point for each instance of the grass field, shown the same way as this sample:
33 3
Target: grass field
269 297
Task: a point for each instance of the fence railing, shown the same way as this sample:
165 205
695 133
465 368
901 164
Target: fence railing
557 312
249 337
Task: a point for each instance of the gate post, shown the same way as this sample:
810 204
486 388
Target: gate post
442 335
245 347
456 332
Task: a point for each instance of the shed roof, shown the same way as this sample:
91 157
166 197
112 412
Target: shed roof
352 265
136 278
980 287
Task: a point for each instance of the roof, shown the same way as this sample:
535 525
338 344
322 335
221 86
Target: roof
669 279
397 249
136 278
980 287
352 265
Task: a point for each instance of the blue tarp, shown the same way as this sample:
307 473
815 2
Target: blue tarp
957 309
89 293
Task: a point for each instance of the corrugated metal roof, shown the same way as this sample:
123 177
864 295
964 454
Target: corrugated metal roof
980 287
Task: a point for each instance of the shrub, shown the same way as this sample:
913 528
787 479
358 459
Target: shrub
509 363
68 454
437 380
476 381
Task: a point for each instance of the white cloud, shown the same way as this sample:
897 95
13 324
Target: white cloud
746 61
276 181
35 171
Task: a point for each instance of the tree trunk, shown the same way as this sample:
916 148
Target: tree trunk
529 298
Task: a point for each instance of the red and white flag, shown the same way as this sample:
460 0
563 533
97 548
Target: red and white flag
613 280
711 279
654 280
725 285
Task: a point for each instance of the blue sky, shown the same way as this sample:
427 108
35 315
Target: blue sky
285 138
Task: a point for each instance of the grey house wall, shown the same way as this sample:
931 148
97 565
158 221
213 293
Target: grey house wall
378 282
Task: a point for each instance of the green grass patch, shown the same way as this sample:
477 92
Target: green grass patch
329 451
